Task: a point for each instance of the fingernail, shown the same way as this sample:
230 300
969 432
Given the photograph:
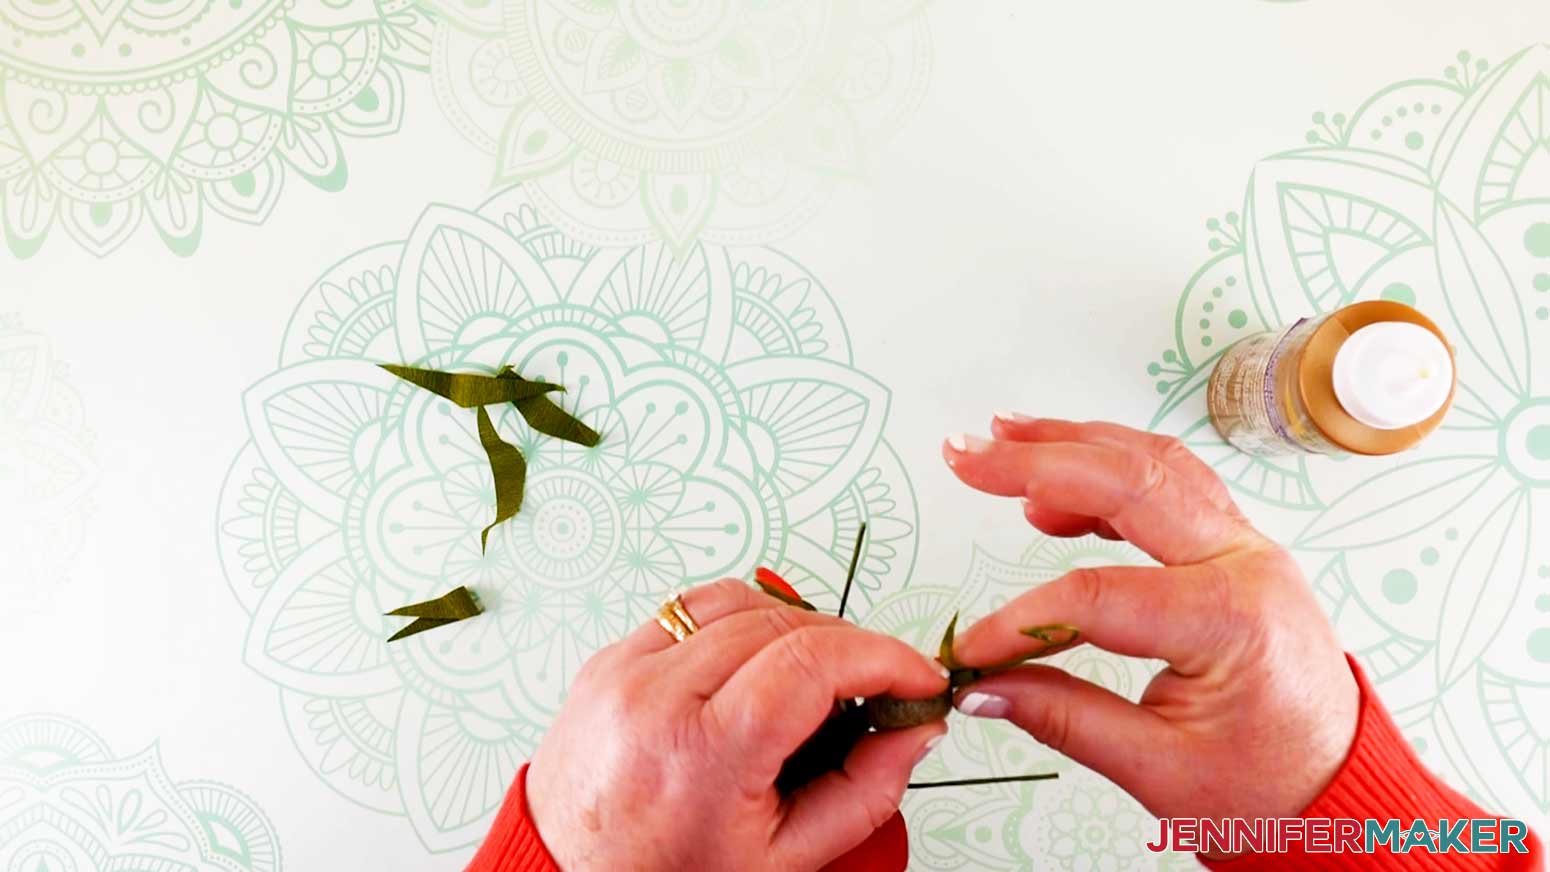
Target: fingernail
978 704
943 670
1056 638
1012 417
963 442
926 748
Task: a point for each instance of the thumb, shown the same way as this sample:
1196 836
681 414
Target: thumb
839 810
1132 746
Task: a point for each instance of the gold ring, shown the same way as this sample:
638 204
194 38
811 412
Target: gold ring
676 620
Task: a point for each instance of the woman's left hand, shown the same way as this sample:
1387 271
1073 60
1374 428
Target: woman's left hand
665 754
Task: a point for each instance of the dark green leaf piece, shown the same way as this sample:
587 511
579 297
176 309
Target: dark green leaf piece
451 607
469 389
546 417
1056 638
509 469
944 653
784 597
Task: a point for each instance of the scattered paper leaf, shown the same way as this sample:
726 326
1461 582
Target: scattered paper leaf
468 389
508 467
548 418
455 605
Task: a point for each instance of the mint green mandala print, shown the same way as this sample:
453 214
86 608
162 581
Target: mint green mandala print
723 120
1080 821
47 470
68 804
1433 192
737 431
114 113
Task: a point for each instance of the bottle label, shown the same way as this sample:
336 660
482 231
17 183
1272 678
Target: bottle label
1245 401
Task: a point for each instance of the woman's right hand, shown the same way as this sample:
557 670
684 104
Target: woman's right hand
1257 709
665 754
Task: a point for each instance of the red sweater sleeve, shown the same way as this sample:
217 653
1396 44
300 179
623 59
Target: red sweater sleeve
1383 779
514 845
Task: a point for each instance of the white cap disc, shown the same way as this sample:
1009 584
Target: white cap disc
1393 374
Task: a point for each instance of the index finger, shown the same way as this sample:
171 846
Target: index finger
781 695
1168 450
1139 496
1180 614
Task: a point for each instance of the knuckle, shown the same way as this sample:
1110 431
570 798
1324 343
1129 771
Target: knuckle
595 665
1221 596
799 650
879 804
781 621
1172 448
1151 475
1086 588
1244 617
732 591
1050 723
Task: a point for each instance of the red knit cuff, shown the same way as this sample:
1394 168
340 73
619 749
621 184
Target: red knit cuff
886 850
1382 778
513 844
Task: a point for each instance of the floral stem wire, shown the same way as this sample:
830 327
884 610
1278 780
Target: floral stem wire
970 782
850 576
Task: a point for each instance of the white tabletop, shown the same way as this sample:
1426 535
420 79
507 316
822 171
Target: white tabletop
776 256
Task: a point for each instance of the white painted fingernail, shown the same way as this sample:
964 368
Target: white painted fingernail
978 704
943 671
964 443
1012 417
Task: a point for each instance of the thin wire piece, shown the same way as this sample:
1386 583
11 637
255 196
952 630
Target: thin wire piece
971 782
850 575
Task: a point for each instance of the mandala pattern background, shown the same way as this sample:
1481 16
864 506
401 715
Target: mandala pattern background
723 120
1434 565
68 804
737 431
47 471
118 111
1078 822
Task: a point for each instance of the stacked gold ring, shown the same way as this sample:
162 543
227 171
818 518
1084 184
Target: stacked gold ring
676 620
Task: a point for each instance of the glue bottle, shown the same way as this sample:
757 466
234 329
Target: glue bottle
1371 378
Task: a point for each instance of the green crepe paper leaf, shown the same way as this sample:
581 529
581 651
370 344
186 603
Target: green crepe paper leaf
945 650
469 389
509 469
455 605
1049 634
544 416
449 608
